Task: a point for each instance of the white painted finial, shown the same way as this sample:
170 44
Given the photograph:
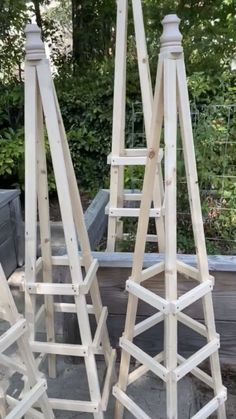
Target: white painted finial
34 46
171 37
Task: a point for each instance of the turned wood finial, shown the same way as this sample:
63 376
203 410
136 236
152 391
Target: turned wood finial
171 37
34 46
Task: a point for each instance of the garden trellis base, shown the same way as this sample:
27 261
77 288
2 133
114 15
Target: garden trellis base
170 100
40 98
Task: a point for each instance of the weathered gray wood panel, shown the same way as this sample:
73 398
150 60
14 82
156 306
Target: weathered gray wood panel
216 263
112 284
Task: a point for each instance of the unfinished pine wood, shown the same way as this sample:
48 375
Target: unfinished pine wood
197 221
45 233
18 333
155 135
118 125
170 135
120 156
74 228
147 101
171 99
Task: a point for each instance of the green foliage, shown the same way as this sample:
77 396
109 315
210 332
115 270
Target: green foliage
12 156
208 29
13 17
82 41
215 145
86 104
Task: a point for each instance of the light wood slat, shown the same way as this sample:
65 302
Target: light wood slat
118 123
198 373
34 414
212 406
145 295
143 369
148 323
108 380
130 405
100 328
145 359
29 399
45 231
12 334
155 133
196 359
59 348
147 101
43 288
73 405
131 212
197 221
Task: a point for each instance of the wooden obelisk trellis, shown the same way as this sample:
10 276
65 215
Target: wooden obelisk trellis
24 364
121 156
40 98
171 100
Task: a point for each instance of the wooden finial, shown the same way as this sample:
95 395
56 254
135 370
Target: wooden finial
171 37
34 46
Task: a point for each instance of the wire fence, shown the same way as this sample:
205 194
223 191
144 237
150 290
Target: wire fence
214 129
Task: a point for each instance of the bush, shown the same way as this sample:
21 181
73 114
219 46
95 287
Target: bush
12 158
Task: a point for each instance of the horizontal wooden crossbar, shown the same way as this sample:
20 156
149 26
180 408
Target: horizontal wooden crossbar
12 334
64 260
130 212
59 348
212 405
189 364
132 156
129 404
74 405
132 196
64 349
70 308
144 358
149 237
127 161
43 288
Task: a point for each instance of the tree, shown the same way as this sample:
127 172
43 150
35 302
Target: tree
208 28
93 29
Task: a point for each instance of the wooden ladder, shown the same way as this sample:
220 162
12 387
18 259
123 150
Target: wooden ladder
41 99
121 156
170 101
25 364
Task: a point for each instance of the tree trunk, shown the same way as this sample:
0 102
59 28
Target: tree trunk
37 13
